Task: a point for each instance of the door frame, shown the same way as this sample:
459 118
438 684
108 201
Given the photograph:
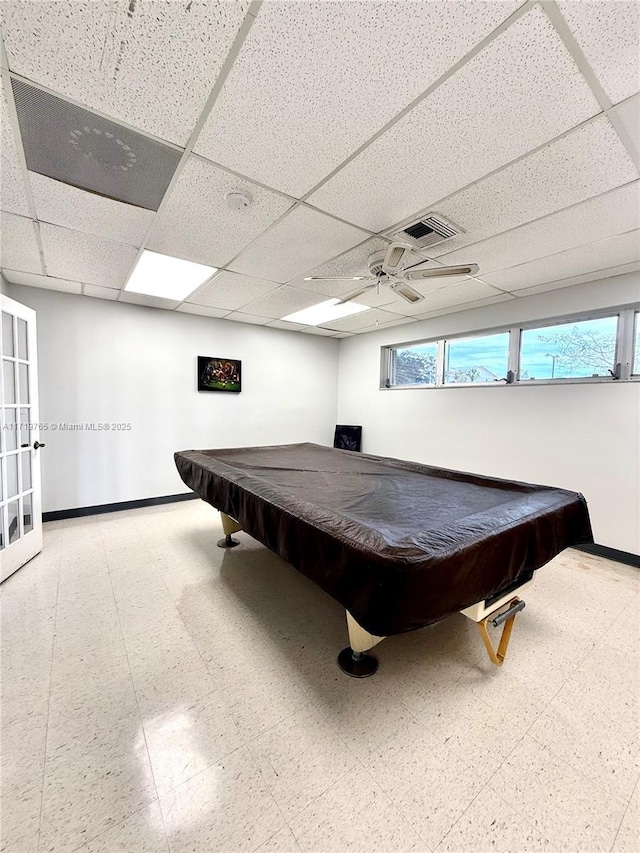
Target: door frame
13 556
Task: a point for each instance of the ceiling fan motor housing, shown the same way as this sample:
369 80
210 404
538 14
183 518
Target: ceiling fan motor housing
376 263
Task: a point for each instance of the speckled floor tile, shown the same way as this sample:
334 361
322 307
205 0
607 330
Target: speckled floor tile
282 842
491 824
628 837
82 799
20 819
569 810
354 814
143 832
425 779
228 661
299 758
188 739
227 806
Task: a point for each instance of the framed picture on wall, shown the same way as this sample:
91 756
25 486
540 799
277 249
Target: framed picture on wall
219 374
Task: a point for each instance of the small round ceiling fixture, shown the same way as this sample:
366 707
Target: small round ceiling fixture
237 200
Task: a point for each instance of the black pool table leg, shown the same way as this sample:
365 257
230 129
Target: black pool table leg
357 664
229 526
355 660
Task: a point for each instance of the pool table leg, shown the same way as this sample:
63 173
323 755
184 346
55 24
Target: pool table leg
354 660
229 526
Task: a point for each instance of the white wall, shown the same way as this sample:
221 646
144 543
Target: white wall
103 361
580 437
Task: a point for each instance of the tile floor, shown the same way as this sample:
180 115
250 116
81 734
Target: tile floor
160 694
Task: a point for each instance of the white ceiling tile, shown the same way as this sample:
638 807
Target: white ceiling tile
288 327
609 35
377 297
301 240
149 63
316 330
61 204
231 291
521 90
196 223
622 249
629 114
581 279
585 163
400 306
100 292
19 245
399 321
364 320
347 67
81 257
469 290
600 217
13 197
44 281
204 310
286 300
466 306
254 320
149 301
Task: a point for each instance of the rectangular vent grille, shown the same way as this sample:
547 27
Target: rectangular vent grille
427 231
78 147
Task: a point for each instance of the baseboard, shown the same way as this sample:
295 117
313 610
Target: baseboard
80 512
611 554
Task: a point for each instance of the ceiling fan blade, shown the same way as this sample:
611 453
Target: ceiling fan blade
356 293
396 253
442 272
338 278
407 292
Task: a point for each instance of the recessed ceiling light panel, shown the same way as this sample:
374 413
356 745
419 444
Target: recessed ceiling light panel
324 312
167 277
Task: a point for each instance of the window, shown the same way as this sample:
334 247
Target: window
479 359
414 365
586 348
583 348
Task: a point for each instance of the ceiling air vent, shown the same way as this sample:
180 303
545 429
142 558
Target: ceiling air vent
427 231
78 147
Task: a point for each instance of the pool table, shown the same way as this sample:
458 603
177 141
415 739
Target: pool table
399 544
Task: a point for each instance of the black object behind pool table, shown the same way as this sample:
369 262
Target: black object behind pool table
348 437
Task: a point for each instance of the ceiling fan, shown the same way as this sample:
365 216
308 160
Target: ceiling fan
387 267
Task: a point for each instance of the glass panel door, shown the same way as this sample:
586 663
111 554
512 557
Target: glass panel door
20 492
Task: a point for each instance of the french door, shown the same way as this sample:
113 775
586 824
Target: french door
20 491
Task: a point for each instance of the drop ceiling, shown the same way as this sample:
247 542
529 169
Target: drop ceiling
341 122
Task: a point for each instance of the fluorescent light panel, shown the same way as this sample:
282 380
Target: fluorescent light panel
326 311
167 277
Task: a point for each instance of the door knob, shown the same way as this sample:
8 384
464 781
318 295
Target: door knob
37 444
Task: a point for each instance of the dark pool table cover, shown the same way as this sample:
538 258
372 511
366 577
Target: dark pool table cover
399 544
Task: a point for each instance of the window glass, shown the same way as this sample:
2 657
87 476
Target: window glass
479 359
7 334
636 351
414 365
569 351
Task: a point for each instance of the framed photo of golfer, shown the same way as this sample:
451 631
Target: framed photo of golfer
219 374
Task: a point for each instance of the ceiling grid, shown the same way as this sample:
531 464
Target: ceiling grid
293 229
